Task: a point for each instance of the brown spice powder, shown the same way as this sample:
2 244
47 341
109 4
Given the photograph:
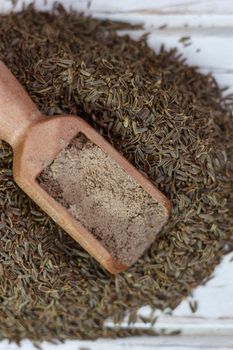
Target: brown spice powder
104 198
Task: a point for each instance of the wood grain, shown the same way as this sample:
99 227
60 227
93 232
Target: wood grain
181 342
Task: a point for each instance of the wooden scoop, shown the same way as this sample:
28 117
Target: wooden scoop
36 142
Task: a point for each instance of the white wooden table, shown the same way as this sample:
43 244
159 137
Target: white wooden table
209 23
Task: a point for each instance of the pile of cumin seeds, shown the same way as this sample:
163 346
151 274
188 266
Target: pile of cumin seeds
169 120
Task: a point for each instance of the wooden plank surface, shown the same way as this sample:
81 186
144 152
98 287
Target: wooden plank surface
176 13
138 343
210 27
161 7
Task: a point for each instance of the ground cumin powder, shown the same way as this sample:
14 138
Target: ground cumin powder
104 198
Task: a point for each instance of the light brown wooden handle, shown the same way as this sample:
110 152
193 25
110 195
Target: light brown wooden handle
17 111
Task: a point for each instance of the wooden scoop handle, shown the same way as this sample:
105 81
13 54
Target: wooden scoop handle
17 111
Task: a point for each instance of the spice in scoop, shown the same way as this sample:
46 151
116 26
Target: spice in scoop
105 199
